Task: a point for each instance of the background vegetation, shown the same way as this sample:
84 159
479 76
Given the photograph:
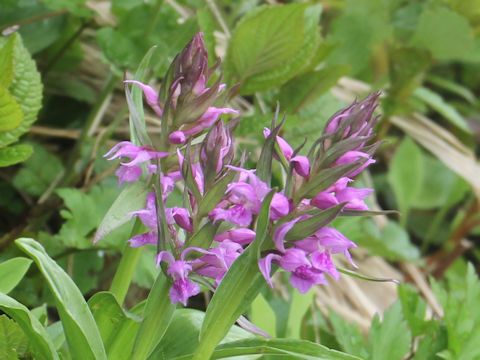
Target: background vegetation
63 105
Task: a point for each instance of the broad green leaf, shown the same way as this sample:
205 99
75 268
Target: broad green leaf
405 175
302 90
363 25
13 342
157 316
38 172
444 32
262 315
116 327
11 272
10 111
438 184
271 44
39 339
81 331
6 63
238 289
26 88
277 348
389 339
132 198
14 154
437 103
181 337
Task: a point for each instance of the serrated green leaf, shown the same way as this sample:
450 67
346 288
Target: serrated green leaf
389 339
81 331
39 339
271 44
132 198
302 90
26 88
116 327
348 336
6 63
15 154
38 172
414 308
405 174
437 103
462 315
13 342
447 34
12 272
11 115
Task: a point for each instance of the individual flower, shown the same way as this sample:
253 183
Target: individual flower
182 288
131 171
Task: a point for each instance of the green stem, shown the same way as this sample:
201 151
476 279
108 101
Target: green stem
126 268
156 317
112 80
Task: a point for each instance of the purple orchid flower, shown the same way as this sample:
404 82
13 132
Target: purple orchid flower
131 171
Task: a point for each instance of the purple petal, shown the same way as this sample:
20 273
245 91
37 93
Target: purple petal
303 278
354 197
265 265
324 200
279 207
179 269
182 218
322 261
241 236
128 173
293 258
181 290
164 256
177 137
150 95
280 233
237 214
150 237
301 165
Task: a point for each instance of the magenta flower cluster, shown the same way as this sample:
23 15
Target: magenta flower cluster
222 199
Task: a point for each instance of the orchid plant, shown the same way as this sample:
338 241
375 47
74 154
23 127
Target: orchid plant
228 208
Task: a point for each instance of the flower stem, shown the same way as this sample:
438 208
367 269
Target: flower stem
126 268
